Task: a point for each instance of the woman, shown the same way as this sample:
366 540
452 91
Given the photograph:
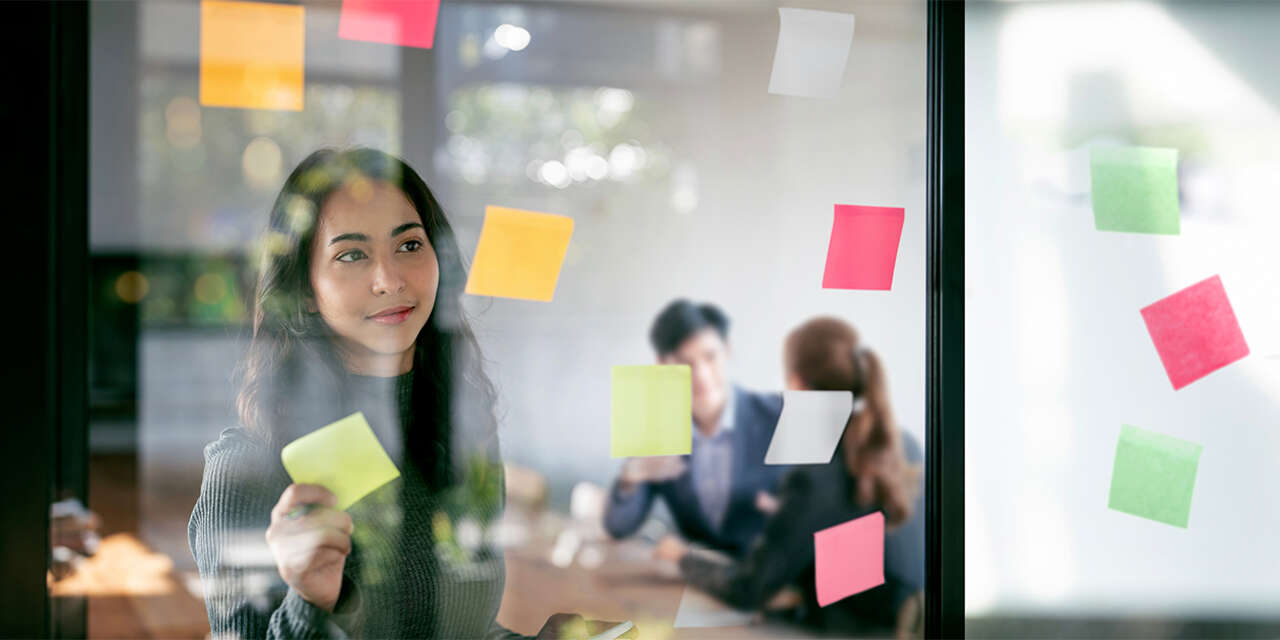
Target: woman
357 309
875 468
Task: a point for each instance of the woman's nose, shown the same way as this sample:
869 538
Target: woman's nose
387 279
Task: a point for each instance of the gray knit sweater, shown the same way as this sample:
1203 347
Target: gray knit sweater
417 568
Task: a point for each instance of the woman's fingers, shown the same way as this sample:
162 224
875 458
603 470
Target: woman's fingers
297 495
309 549
325 538
319 518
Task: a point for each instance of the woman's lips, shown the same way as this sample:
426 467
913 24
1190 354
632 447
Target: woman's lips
392 318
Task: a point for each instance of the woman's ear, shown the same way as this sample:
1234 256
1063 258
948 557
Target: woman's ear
794 383
309 303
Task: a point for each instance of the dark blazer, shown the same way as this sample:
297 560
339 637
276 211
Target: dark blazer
814 497
755 417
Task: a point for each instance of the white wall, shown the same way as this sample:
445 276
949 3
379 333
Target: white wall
769 170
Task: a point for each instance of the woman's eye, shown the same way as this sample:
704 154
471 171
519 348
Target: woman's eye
351 256
411 245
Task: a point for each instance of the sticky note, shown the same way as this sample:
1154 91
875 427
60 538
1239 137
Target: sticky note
809 427
863 247
1135 189
251 55
651 411
698 609
406 23
344 457
1154 476
1195 332
813 47
519 254
849 558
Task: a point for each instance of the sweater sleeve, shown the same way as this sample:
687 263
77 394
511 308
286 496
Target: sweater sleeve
242 588
625 511
779 555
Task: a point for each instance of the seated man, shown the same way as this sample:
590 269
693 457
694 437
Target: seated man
720 492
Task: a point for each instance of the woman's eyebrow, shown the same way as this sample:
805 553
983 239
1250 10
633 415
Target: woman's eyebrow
357 237
405 227
360 237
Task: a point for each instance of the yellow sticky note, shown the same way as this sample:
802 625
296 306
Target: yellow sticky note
251 55
519 254
652 411
344 457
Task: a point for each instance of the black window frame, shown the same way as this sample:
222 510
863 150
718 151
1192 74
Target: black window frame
944 322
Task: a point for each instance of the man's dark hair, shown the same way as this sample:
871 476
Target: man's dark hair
681 319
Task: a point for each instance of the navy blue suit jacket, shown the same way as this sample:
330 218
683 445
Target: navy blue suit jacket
755 417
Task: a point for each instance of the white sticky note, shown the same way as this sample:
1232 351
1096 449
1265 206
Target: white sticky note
810 427
698 609
813 47
614 632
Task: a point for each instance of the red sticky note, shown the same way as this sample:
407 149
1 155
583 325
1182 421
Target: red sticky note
407 23
849 558
864 247
1195 332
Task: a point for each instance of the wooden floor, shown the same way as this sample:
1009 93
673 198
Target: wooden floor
132 591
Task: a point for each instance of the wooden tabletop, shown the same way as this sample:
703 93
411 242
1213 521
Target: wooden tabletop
614 581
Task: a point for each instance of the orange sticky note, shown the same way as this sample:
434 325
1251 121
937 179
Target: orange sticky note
251 55
519 254
408 23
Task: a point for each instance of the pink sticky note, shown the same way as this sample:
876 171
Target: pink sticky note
849 558
864 247
1195 332
407 23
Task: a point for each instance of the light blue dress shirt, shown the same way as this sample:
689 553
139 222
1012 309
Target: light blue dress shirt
711 462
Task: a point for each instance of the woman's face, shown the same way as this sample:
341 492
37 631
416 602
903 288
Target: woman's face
374 275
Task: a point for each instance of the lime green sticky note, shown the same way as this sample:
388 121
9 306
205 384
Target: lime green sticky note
1135 189
344 457
1154 476
652 411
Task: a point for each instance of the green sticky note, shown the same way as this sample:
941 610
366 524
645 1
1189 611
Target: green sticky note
1154 476
344 457
652 411
1135 189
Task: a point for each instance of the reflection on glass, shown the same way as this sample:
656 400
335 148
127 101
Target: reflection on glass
650 126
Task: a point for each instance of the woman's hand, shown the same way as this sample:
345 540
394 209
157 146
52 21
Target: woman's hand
571 626
310 541
671 548
767 503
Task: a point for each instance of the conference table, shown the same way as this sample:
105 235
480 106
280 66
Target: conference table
604 579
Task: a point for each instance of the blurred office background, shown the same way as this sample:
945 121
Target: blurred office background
1057 354
648 122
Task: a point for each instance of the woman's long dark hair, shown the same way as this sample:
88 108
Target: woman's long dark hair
826 355
292 376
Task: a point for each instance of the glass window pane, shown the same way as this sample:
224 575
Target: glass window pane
1073 230
653 129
